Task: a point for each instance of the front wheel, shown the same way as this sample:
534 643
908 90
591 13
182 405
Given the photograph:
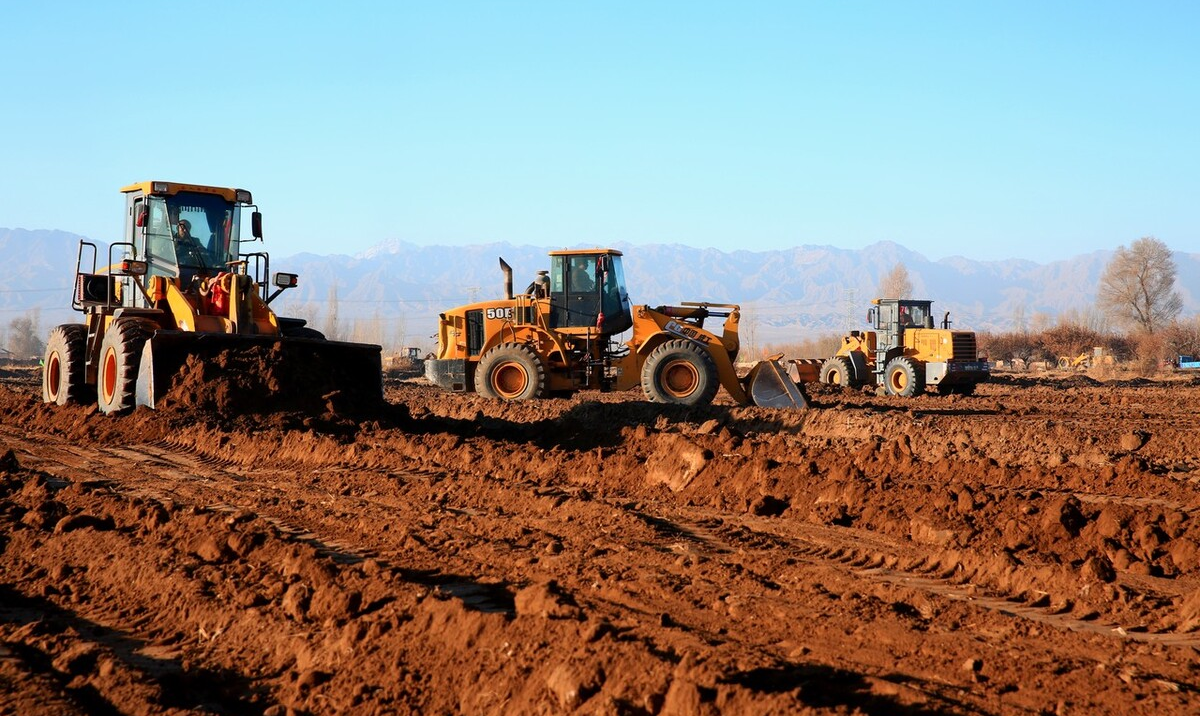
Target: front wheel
903 377
837 371
680 372
63 368
511 372
120 357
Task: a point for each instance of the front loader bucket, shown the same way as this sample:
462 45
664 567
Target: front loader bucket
769 386
249 373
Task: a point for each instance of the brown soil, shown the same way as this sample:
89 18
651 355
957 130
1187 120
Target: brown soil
1031 549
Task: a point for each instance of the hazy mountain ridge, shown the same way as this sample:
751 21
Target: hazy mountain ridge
393 291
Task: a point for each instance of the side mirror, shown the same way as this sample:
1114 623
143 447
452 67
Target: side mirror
871 316
256 224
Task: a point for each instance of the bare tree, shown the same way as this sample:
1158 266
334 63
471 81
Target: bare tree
1018 318
1091 318
331 315
1182 337
896 283
23 338
399 336
1137 288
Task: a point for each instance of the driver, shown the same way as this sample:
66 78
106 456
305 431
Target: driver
185 230
580 280
191 243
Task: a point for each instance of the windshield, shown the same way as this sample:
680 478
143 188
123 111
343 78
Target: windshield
913 314
198 232
614 300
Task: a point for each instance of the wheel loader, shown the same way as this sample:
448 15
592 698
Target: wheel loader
178 287
561 335
905 354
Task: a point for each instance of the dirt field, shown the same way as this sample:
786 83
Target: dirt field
1032 549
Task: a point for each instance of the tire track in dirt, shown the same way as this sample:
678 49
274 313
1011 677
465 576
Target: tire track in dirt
189 481
875 557
220 485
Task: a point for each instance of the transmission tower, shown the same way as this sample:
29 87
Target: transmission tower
850 296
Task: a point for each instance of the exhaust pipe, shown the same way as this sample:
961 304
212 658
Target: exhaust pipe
508 289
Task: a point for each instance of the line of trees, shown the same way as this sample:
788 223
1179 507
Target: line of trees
1137 295
1070 339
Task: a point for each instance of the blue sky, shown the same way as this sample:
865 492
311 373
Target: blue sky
991 130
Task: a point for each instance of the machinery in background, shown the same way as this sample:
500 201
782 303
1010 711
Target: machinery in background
905 354
560 336
1086 360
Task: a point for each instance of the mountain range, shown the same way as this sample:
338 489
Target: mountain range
392 292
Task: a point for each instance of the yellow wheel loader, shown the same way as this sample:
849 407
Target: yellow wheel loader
178 286
1083 361
561 335
905 354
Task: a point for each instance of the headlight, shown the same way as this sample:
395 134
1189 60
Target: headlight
159 187
242 196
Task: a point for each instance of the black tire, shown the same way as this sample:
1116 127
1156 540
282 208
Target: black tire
837 371
680 372
903 376
64 366
511 372
120 357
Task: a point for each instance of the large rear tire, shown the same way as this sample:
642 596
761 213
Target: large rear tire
837 371
511 372
63 368
680 372
120 357
903 377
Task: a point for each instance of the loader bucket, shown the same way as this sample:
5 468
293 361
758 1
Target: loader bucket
769 386
265 373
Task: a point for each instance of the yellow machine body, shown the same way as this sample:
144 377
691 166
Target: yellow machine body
179 285
905 353
560 336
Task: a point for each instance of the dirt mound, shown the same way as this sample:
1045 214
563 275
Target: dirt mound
280 377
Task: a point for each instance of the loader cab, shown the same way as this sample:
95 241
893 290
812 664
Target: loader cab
183 231
587 292
891 317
